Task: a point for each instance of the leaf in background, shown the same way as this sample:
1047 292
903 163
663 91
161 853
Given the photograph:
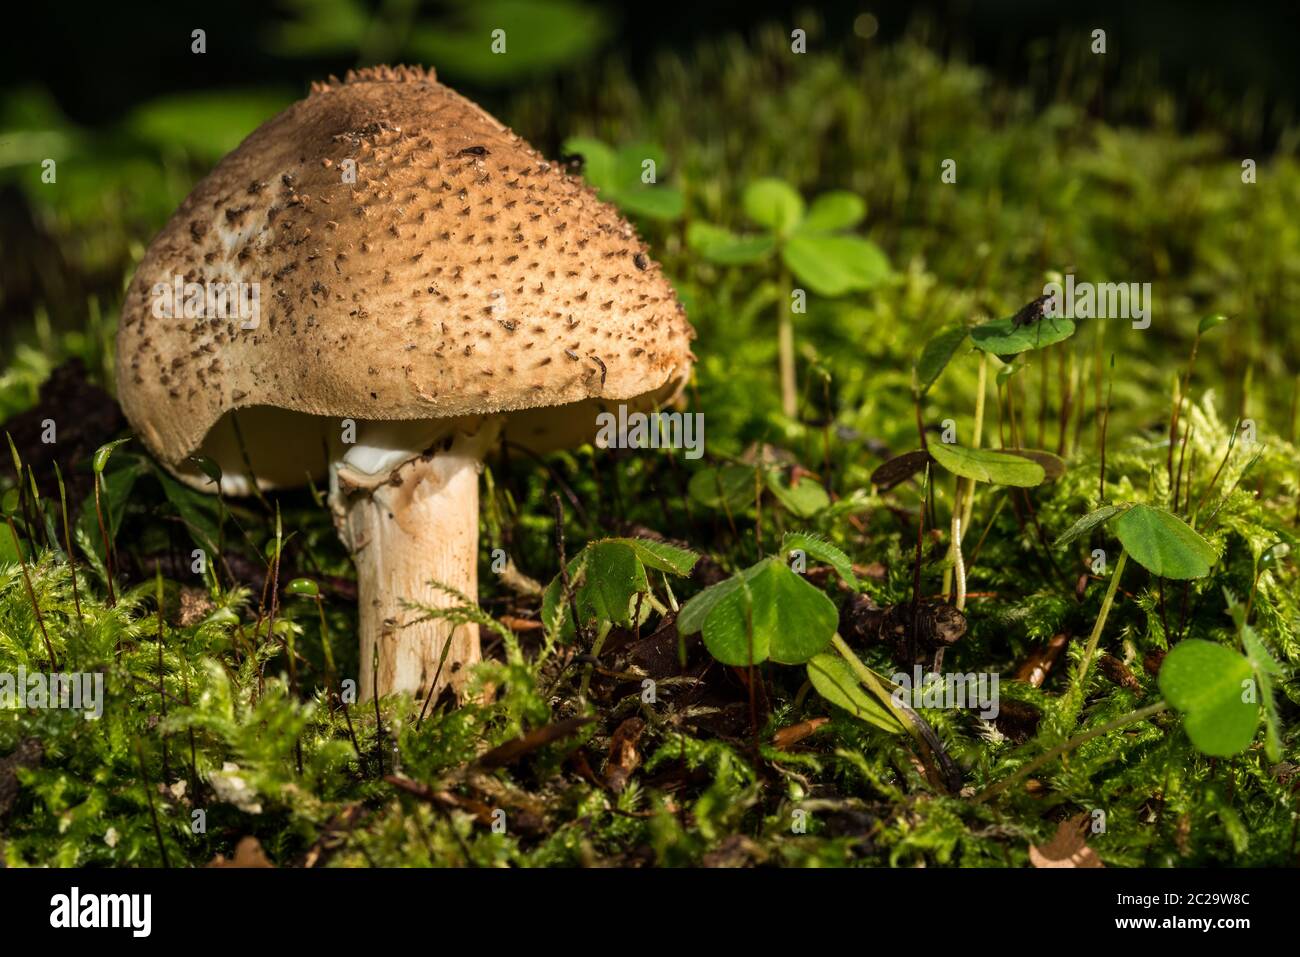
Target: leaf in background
1209 322
1164 544
836 210
1003 338
599 163
320 28
34 127
731 486
935 356
899 469
630 161
821 550
205 125
541 36
835 265
724 247
616 176
791 620
833 679
1053 465
653 202
773 203
198 511
1206 682
804 498
1090 521
987 465
556 618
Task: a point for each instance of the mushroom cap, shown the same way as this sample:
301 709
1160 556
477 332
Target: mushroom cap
456 274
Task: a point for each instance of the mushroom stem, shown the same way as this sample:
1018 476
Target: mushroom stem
407 530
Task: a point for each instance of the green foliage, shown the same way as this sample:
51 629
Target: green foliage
1207 683
1163 543
988 465
811 245
766 611
835 682
619 177
225 724
934 358
606 580
1002 337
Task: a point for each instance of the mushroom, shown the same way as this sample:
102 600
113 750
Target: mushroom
405 282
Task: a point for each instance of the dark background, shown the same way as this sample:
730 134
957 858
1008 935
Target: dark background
101 59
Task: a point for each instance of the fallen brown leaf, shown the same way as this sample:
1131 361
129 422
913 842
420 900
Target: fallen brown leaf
791 735
624 758
1068 847
1035 668
248 853
520 624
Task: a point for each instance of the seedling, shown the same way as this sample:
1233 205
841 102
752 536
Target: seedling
812 246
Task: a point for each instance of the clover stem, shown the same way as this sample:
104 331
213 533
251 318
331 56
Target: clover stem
785 347
977 436
963 503
596 647
959 566
868 678
1090 649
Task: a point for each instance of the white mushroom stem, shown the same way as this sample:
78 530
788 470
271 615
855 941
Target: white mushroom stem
408 527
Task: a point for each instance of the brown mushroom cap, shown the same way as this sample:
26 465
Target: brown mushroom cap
460 275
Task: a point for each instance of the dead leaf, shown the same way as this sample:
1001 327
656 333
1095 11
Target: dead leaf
1035 668
248 853
520 624
791 735
624 758
1068 847
1118 672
